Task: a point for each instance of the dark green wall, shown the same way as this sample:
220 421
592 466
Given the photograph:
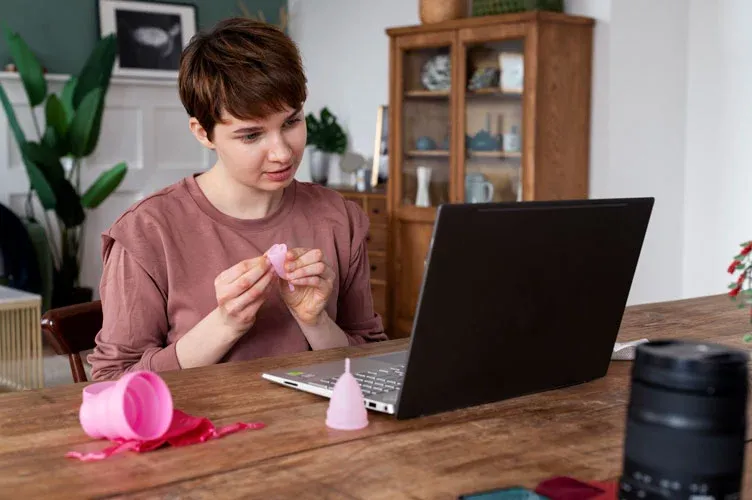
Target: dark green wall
63 32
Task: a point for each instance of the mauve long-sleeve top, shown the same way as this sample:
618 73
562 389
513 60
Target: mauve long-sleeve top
161 257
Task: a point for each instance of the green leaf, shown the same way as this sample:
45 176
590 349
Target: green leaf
40 185
97 70
46 159
325 133
54 142
748 338
12 120
36 178
66 97
105 184
29 68
68 206
83 132
55 115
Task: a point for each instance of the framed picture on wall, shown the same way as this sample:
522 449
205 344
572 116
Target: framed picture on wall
150 35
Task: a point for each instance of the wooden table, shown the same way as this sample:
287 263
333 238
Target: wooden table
576 431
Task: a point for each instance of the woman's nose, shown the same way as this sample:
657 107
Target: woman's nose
280 151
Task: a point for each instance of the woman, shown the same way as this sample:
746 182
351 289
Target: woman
186 281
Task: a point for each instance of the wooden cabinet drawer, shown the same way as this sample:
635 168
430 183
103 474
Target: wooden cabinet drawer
376 210
378 267
358 200
379 299
376 238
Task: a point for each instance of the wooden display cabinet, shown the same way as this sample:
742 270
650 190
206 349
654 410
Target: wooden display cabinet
373 201
481 109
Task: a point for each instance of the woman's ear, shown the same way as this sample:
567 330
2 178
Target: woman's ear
200 133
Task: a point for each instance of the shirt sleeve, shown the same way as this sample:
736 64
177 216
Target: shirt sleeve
134 329
355 313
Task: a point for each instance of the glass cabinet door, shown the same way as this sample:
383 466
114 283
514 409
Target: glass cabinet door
491 106
425 137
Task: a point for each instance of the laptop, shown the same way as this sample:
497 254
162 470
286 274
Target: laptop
516 298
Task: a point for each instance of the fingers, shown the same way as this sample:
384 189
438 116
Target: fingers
239 269
227 292
312 281
315 269
250 297
302 257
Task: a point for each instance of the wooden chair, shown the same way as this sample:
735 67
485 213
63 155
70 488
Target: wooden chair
72 329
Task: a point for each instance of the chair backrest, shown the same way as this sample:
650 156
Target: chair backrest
72 329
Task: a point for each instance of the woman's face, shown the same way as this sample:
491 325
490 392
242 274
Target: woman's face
263 154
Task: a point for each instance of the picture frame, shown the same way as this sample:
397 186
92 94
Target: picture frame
381 147
150 35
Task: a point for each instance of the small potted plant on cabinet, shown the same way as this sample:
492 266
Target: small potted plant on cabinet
327 138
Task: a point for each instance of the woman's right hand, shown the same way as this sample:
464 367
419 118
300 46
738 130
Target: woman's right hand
241 290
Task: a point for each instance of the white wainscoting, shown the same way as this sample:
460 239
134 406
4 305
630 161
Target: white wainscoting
144 124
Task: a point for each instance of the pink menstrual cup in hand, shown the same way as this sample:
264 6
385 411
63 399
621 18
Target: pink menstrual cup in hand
276 255
346 408
136 407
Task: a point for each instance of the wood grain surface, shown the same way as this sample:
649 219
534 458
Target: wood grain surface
577 431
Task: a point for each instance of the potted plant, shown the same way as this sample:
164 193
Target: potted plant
740 289
70 134
327 138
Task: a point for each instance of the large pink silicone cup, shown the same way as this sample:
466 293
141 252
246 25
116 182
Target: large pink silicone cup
346 409
136 407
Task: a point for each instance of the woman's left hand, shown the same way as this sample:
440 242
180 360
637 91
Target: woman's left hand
312 280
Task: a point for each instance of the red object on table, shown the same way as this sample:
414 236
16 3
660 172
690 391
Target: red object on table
184 430
567 488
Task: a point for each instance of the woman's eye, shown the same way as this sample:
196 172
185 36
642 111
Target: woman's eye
291 122
250 137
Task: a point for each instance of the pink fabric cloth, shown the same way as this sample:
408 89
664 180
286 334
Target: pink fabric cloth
162 255
184 430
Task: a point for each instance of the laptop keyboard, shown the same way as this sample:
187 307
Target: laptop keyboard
374 381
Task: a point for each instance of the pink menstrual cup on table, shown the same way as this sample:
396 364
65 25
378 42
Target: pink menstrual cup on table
136 407
346 409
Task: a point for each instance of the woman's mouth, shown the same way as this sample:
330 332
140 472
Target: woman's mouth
280 175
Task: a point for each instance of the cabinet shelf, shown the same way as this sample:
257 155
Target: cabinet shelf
494 92
487 92
427 93
494 154
422 153
438 153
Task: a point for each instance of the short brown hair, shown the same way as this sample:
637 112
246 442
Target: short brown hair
248 68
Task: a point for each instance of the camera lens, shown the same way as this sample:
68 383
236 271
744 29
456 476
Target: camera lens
686 422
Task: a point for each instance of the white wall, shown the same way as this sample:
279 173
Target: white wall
718 181
639 121
345 52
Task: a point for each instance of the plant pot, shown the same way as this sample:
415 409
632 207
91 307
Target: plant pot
438 11
320 165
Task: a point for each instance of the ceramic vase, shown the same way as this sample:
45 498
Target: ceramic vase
320 166
424 180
